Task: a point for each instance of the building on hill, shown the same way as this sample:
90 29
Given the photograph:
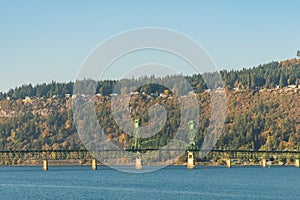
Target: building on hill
27 100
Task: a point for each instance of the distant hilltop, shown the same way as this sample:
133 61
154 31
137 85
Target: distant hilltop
271 75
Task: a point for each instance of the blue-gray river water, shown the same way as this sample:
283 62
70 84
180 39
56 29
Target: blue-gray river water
174 182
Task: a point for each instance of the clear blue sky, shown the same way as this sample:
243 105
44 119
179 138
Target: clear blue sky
42 41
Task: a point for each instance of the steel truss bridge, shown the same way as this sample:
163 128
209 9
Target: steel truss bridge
19 156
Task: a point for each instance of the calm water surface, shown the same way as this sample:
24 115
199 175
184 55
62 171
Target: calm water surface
174 182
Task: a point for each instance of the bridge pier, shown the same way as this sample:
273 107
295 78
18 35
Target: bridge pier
297 162
263 163
94 164
191 160
138 161
45 165
228 162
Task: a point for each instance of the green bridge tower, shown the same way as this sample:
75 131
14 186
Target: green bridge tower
136 144
192 145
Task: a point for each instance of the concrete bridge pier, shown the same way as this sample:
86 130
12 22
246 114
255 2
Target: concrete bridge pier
263 163
191 160
138 161
228 162
94 164
45 165
297 162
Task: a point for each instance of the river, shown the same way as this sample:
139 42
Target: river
173 182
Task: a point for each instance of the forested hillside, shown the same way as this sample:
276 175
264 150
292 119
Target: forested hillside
263 111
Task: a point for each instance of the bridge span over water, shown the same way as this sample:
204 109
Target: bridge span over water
190 157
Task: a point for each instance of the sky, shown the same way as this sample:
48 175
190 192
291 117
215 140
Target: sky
41 41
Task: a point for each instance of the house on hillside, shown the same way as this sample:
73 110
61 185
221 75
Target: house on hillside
27 100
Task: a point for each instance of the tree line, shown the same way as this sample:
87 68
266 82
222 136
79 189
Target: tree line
270 75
